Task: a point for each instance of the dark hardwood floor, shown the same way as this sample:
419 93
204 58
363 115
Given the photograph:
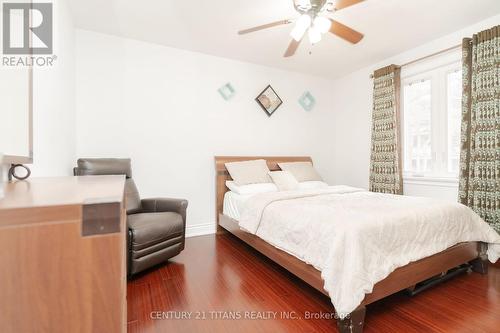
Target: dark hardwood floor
218 276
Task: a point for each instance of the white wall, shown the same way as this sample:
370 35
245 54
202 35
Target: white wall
54 102
160 107
352 118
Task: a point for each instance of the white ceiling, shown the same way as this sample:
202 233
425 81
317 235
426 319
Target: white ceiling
390 27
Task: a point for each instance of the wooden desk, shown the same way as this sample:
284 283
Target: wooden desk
62 257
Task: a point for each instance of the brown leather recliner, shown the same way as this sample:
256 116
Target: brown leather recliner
156 227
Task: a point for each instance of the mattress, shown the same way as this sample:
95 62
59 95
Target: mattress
234 204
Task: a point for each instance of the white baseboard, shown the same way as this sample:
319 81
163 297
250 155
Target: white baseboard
201 229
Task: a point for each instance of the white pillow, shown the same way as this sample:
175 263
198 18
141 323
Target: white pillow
312 185
249 172
251 188
284 180
302 171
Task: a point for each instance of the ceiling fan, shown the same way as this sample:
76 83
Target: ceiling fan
314 21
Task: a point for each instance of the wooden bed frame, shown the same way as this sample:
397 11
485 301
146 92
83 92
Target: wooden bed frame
406 277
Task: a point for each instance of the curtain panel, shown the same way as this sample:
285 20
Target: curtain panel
479 184
385 162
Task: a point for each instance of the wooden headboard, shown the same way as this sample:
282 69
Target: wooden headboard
221 174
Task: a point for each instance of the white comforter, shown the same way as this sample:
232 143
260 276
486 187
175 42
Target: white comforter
356 238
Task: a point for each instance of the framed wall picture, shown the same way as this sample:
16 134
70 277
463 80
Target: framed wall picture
269 100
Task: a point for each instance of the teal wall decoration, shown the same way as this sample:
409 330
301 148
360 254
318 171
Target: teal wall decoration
227 91
307 101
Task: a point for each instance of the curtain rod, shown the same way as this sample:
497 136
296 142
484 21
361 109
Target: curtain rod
428 56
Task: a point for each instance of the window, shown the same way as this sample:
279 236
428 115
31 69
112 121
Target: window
417 126
431 118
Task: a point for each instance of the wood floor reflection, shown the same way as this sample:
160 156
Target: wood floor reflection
217 279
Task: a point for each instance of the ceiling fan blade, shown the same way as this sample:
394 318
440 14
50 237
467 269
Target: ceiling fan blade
341 4
345 32
264 26
290 51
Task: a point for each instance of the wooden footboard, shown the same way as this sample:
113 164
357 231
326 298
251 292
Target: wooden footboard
418 271
402 278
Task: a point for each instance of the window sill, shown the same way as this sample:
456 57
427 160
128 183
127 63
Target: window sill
431 181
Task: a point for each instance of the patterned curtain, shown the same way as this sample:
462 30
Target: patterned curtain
385 163
479 186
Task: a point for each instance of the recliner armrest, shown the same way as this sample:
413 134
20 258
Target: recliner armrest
155 205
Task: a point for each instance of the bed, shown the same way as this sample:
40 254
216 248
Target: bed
470 254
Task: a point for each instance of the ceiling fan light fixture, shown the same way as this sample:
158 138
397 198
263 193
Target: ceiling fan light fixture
322 24
314 20
314 35
303 23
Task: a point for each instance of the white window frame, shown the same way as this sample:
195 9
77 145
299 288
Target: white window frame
436 69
